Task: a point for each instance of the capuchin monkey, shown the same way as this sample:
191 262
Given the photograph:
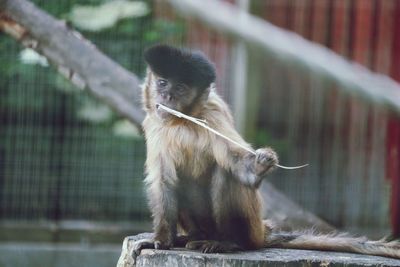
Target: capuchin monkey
201 184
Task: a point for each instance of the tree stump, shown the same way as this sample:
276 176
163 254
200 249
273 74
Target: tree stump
264 257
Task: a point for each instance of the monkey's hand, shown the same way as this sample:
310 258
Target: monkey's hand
255 166
265 161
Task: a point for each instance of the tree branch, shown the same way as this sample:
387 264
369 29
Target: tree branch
74 57
284 45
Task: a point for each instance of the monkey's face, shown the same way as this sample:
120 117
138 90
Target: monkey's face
174 95
180 79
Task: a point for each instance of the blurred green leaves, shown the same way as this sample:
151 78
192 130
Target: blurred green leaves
164 29
106 15
120 28
263 138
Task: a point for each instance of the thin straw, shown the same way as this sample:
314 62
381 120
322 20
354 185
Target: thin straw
203 124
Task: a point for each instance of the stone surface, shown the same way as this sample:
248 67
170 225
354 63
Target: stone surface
264 257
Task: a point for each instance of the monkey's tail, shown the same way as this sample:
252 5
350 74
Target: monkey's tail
333 242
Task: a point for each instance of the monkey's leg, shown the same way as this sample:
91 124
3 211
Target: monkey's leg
237 212
213 246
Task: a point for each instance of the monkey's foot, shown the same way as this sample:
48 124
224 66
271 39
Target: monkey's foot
138 245
181 241
213 246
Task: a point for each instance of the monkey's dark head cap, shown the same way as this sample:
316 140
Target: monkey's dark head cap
180 65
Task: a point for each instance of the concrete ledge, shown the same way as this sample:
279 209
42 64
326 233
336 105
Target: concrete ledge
264 257
34 254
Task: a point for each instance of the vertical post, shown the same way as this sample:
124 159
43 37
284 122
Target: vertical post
393 137
239 76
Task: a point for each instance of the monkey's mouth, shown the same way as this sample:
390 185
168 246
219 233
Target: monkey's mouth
162 113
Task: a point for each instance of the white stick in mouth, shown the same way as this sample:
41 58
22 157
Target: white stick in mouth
203 123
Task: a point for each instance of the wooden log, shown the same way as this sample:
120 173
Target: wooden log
263 257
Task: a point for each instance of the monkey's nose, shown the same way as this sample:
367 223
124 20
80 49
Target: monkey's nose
167 96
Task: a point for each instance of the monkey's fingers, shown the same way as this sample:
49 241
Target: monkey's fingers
195 245
162 245
266 160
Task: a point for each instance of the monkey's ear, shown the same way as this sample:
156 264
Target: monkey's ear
181 65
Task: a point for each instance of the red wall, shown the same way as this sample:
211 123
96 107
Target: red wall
365 31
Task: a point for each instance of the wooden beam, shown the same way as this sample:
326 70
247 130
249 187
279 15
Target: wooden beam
292 48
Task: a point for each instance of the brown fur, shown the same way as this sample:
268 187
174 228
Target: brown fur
183 155
207 186
333 242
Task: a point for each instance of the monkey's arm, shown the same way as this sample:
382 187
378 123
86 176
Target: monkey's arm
248 168
160 182
163 204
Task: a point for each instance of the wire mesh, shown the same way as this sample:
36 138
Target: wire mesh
62 153
61 156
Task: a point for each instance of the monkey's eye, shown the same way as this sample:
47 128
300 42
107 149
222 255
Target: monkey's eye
162 83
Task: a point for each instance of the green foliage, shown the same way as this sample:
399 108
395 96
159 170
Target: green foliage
264 138
123 42
164 29
104 16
